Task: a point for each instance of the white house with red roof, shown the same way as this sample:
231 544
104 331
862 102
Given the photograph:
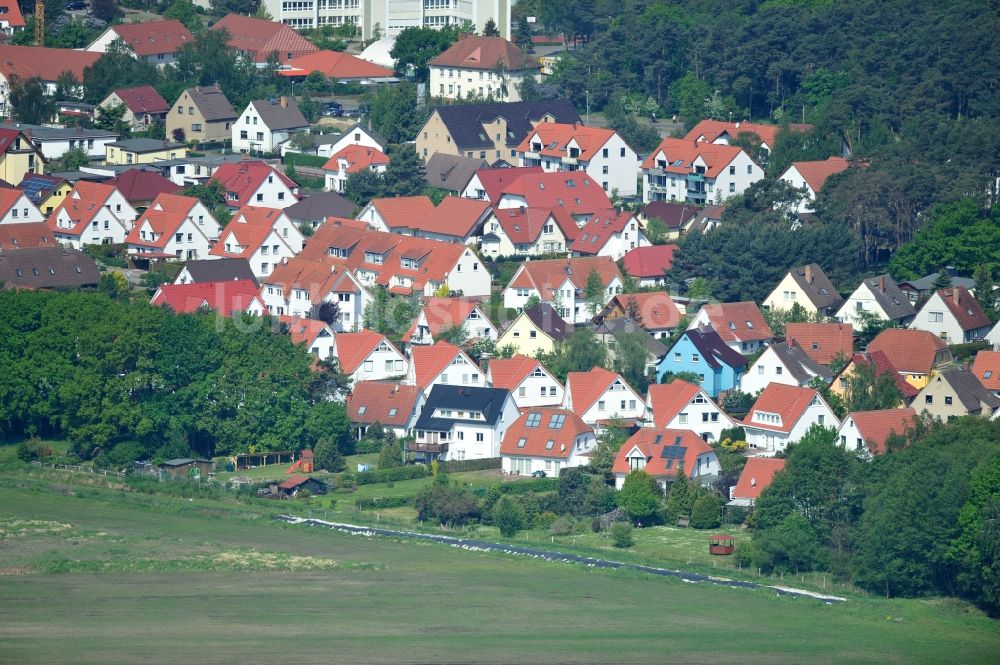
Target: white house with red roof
489 184
300 288
954 315
337 65
653 311
599 152
683 170
156 42
255 39
47 64
575 193
527 380
649 264
986 367
662 453
609 233
455 219
562 283
393 405
757 475
225 298
681 405
314 334
441 314
443 363
255 183
265 237
867 432
144 106
355 135
369 356
11 19
528 232
601 395
740 325
723 133
782 415
92 214
546 440
483 67
811 176
173 227
352 159
17 208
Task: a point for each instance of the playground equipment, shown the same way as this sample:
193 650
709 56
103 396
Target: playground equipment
304 464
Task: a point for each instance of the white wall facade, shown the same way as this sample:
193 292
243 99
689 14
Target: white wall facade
101 44
250 134
384 362
538 389
459 83
700 415
795 179
734 179
188 242
22 212
521 465
468 276
936 318
767 442
617 401
766 370
861 300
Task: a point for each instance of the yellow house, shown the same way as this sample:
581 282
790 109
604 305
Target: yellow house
54 199
45 191
806 286
143 151
20 156
535 330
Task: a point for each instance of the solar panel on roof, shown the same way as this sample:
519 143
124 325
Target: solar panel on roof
673 452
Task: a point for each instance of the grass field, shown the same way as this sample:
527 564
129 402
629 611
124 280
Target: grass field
94 575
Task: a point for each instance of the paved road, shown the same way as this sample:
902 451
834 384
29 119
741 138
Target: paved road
551 555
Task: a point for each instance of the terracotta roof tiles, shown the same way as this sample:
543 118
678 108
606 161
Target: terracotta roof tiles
757 475
909 351
653 261
385 402
986 367
486 53
660 463
822 342
554 436
353 348
876 426
788 402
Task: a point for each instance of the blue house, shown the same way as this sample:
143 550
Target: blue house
702 351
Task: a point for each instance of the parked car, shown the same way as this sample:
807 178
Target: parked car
75 5
538 474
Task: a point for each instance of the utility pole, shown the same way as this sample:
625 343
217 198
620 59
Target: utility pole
39 22
588 106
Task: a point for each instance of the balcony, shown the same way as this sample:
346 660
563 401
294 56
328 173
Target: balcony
695 177
656 187
434 448
570 160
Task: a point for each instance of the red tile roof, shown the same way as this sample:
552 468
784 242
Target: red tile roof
882 365
816 173
35 234
358 158
260 38
652 261
877 426
822 341
652 441
245 178
293 482
710 130
585 388
966 309
142 185
667 399
657 310
143 98
599 229
495 181
757 476
909 351
318 279
11 196
164 216
400 211
573 191
354 348
789 402
12 13
247 230
524 225
548 275
738 321
385 402
335 64
679 155
486 53
154 37
85 200
455 216
304 331
536 439
986 367
223 297
429 361
510 372
556 137
27 62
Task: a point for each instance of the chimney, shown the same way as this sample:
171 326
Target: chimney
881 283
738 124
809 274
753 482
956 296
284 102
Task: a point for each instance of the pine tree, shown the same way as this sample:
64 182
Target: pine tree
680 499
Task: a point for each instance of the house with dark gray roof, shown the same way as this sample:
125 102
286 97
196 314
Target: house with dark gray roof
809 288
609 331
451 172
702 352
955 392
925 286
315 208
488 131
201 114
462 422
880 297
786 363
267 123
215 270
536 329
47 268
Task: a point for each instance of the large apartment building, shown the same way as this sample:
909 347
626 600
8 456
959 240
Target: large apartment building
391 17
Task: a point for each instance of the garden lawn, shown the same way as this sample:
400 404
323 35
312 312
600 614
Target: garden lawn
89 575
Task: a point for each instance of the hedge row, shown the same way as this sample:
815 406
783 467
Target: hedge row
304 159
530 486
408 472
456 466
382 502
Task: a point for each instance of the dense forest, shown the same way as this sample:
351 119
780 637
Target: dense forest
907 88
124 380
923 519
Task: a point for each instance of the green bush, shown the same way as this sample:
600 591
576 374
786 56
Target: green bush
966 351
33 449
705 514
382 502
457 466
396 473
368 446
295 158
621 535
509 516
